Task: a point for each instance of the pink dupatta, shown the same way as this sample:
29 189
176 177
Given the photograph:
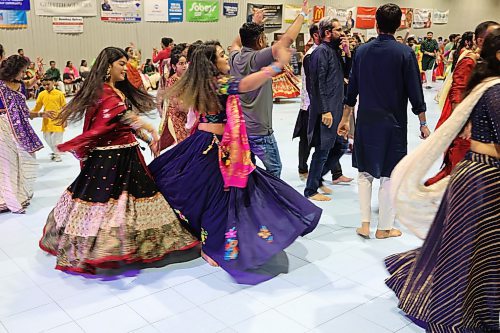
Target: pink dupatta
235 161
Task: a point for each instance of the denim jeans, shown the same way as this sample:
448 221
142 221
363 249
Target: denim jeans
322 162
265 148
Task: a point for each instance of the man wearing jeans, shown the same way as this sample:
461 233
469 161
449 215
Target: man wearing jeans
326 96
248 55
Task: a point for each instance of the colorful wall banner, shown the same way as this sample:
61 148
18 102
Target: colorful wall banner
273 14
230 9
155 11
65 7
13 19
14 4
440 17
318 13
406 18
291 12
422 18
365 18
121 10
175 10
67 25
202 11
345 16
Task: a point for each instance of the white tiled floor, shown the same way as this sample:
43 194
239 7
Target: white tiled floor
335 281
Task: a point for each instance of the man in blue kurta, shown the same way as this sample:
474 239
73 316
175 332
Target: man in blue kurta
325 111
385 74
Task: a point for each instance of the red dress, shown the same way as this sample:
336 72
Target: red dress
113 212
459 147
178 118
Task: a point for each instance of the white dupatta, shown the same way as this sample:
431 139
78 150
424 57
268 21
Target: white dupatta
415 204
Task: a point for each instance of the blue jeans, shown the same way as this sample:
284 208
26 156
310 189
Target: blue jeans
265 148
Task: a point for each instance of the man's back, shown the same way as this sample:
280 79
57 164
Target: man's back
385 74
258 104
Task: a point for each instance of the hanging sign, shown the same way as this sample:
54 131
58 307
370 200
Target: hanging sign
121 10
65 7
14 4
422 18
67 25
365 18
155 11
229 9
406 18
13 19
291 12
273 14
175 10
440 17
318 13
202 11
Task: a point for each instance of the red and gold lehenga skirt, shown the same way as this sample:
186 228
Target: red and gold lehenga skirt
286 84
112 213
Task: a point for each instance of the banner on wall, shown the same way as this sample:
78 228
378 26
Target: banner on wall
175 10
230 9
440 17
155 11
291 12
67 25
422 18
365 18
202 11
406 18
318 13
121 10
345 16
65 7
13 19
273 14
14 4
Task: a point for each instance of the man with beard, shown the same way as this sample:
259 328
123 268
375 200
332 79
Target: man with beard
385 74
429 50
325 111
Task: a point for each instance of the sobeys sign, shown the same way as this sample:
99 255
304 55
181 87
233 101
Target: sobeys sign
202 11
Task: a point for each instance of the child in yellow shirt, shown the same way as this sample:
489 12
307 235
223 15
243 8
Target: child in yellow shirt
52 101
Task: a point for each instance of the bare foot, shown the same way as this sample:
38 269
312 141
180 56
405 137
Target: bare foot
342 179
320 197
364 231
209 260
325 189
382 234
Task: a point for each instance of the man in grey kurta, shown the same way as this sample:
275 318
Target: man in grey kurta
385 74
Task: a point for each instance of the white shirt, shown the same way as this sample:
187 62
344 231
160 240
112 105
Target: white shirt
304 96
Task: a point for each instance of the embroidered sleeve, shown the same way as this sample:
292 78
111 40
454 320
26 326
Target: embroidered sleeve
227 85
105 121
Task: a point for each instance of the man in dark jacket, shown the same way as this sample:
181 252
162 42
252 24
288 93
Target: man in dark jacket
325 112
385 74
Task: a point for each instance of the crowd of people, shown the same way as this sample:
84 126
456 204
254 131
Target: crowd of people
203 189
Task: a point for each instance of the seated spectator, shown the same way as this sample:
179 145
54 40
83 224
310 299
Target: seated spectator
71 78
148 68
84 69
29 76
56 74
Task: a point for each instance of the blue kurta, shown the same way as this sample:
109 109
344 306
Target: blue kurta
385 74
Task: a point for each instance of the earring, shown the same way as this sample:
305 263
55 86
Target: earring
108 74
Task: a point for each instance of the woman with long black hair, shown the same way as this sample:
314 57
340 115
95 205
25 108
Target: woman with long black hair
113 211
452 283
242 214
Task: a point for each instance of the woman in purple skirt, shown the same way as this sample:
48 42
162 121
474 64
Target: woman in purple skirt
242 214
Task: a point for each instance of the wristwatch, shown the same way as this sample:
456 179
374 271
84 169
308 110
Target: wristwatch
423 123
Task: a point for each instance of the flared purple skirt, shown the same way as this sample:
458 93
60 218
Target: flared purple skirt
241 229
